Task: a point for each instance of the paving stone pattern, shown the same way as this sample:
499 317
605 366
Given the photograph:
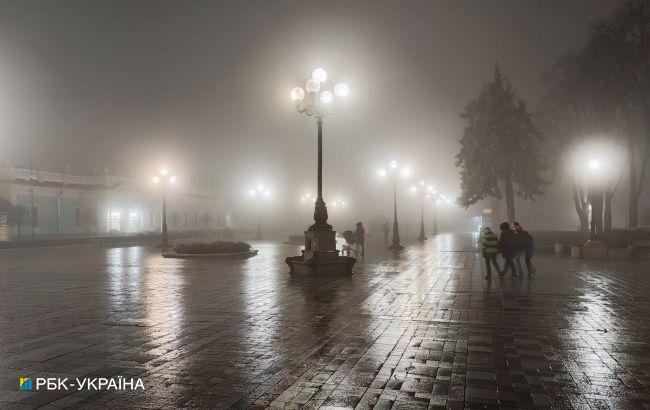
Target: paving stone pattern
422 329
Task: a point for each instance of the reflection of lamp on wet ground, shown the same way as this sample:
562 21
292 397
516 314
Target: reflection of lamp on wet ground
259 193
320 252
395 172
164 179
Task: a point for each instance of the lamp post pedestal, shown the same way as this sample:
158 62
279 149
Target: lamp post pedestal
321 256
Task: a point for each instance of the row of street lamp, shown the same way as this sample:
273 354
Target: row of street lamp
426 191
313 101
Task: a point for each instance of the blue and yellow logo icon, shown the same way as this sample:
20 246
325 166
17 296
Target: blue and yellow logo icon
25 383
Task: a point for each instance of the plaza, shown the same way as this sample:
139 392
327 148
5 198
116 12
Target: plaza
418 329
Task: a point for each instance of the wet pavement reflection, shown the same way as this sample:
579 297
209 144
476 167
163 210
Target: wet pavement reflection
418 329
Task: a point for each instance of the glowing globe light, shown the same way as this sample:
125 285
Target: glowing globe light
163 171
341 90
382 172
172 179
393 164
156 179
594 164
406 172
312 86
319 75
297 94
327 97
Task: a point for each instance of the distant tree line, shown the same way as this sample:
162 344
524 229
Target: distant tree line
602 89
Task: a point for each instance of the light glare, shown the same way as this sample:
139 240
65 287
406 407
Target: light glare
312 86
327 97
341 90
319 75
297 94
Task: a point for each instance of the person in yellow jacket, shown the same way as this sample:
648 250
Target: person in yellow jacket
490 249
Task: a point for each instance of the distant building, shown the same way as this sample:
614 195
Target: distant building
63 204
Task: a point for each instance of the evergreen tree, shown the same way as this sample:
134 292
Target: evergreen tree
499 147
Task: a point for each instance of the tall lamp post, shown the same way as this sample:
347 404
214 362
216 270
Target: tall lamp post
425 191
395 171
438 199
164 179
320 252
596 195
262 193
320 104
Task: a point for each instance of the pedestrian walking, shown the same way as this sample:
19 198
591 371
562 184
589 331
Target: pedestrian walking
508 247
526 243
490 250
360 238
385 229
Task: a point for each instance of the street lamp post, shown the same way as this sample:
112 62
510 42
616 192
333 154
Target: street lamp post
260 192
424 191
164 180
435 217
404 172
596 195
321 104
320 242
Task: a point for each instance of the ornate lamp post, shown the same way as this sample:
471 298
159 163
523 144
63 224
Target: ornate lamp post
320 252
164 179
261 193
425 191
395 171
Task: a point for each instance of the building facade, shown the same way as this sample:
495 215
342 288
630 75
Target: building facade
61 204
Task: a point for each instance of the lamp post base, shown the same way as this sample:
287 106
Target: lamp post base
321 256
594 249
396 246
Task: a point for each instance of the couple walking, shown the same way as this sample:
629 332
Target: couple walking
512 244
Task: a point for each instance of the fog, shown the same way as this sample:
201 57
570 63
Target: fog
203 88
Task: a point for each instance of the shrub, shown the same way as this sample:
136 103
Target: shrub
213 247
638 234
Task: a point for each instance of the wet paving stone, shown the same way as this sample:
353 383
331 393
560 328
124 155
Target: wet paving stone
421 329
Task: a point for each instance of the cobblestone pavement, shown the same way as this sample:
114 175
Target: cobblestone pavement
422 329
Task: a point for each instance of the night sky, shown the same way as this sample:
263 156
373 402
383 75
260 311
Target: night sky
202 86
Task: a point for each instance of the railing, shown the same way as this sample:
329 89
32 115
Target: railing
57 177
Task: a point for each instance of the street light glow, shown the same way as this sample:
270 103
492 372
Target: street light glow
297 94
382 172
172 179
319 75
594 164
393 164
163 171
312 86
341 90
406 172
156 179
326 97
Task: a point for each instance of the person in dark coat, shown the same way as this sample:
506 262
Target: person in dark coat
385 229
490 251
525 240
360 238
508 247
